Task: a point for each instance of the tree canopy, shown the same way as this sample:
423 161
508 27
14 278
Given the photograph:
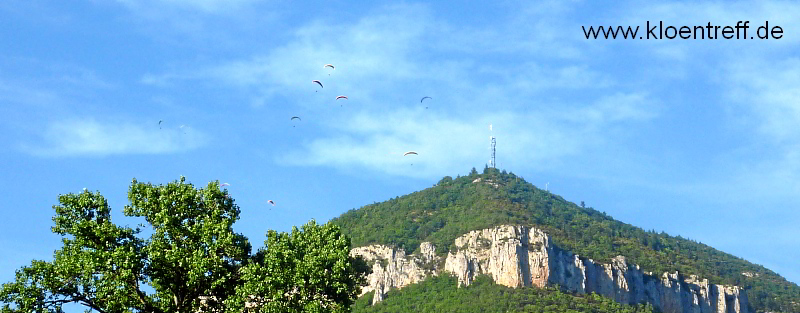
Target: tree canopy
441 294
191 261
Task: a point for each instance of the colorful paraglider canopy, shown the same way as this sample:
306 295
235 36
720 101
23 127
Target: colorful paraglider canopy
224 184
318 82
341 97
409 152
328 65
271 202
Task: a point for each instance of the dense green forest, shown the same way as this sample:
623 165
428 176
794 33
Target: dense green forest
440 294
456 206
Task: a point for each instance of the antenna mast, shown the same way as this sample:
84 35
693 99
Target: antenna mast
494 143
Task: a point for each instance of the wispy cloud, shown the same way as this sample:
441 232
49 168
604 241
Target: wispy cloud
769 90
617 107
374 52
749 91
763 97
377 141
382 64
92 138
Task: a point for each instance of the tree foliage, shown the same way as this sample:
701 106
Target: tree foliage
441 294
294 273
192 259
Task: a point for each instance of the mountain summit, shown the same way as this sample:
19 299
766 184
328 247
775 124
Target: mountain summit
426 232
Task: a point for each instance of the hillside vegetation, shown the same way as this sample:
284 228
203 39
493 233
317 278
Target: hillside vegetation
454 207
440 294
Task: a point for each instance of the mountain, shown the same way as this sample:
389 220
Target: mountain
453 208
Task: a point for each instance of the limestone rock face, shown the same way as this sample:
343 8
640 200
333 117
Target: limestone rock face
391 267
519 256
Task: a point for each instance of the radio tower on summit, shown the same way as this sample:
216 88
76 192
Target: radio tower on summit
493 141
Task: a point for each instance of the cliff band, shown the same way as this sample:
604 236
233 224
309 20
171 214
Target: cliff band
520 256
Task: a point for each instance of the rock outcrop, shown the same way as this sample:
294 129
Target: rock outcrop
391 268
519 256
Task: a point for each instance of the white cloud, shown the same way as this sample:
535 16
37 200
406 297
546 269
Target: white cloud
384 57
396 48
558 102
374 52
377 141
93 138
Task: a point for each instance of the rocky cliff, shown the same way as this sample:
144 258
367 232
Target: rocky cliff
392 268
519 256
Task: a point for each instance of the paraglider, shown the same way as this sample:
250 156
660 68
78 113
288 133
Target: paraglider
224 184
318 82
410 152
295 117
341 97
329 65
423 98
159 123
271 202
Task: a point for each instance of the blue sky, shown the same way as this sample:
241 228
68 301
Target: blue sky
697 138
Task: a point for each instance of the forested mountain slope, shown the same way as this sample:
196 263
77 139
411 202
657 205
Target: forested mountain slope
454 207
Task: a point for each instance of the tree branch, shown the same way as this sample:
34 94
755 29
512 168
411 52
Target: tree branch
92 305
142 298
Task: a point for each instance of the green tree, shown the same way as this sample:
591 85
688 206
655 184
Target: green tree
308 270
445 180
191 261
